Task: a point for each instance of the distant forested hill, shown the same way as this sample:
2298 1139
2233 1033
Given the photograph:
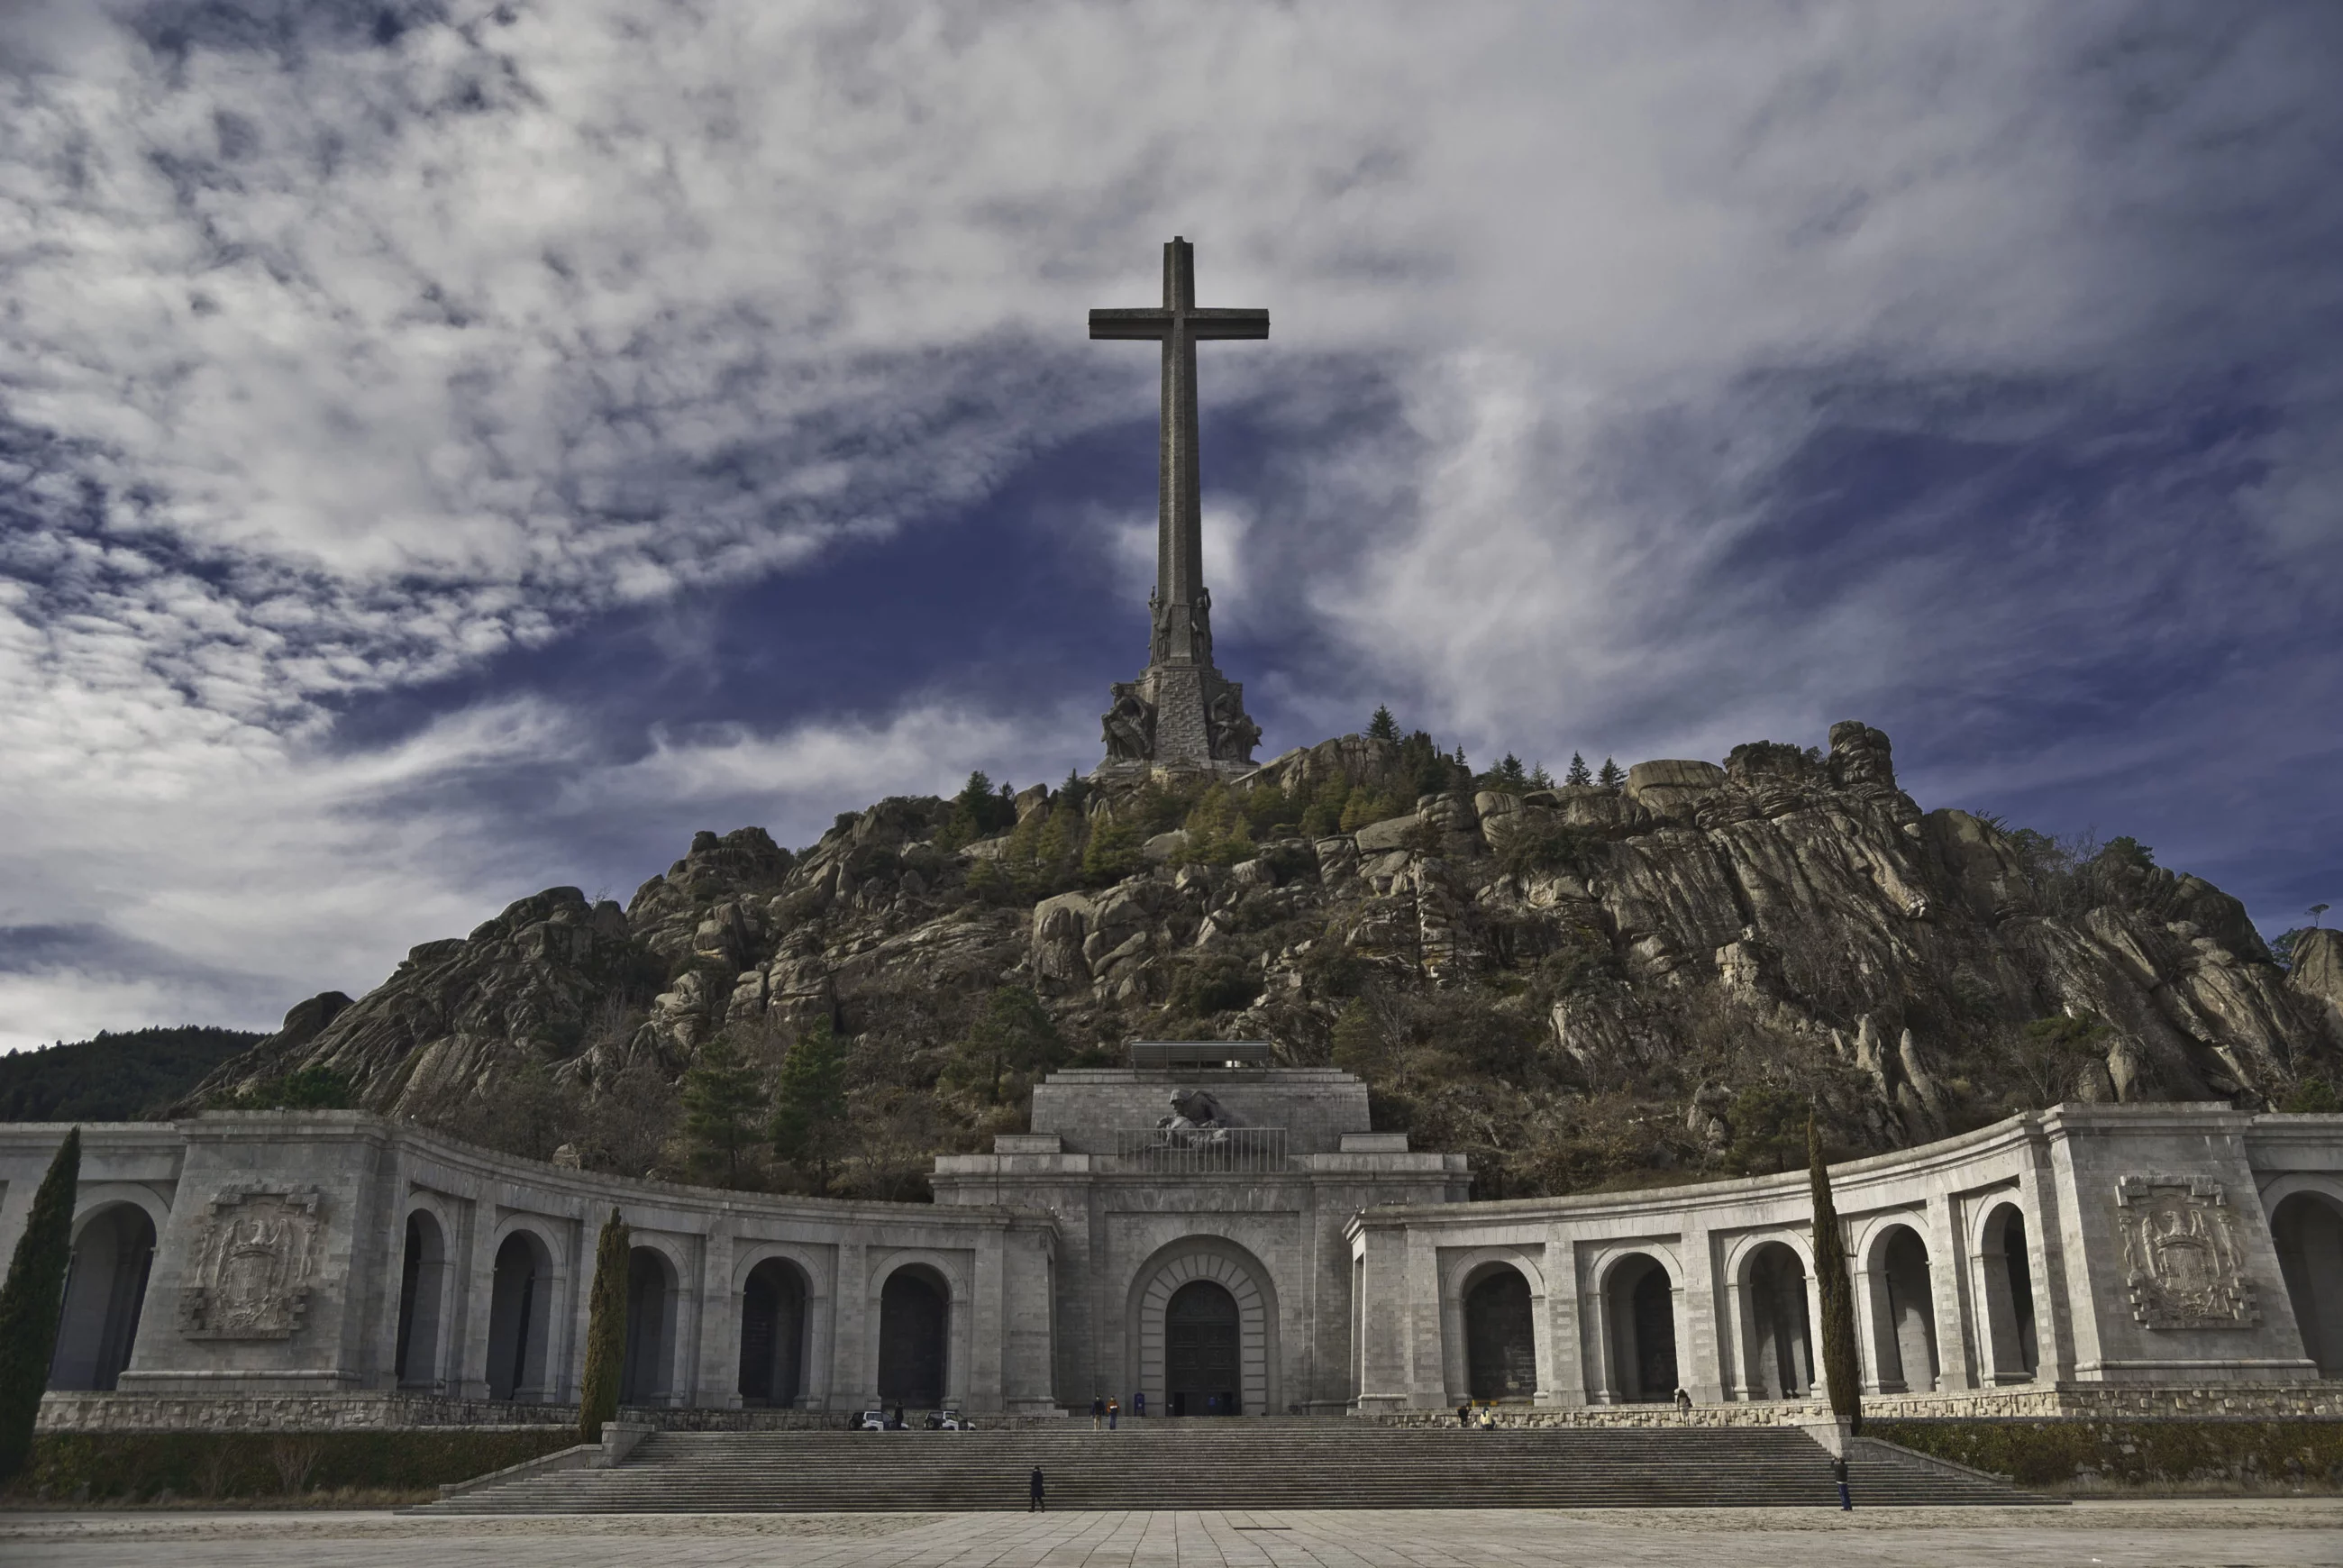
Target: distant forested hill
115 1077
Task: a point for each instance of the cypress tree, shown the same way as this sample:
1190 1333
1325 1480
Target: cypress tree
1841 1368
606 1332
31 1302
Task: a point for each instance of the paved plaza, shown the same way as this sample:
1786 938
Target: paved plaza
2097 1534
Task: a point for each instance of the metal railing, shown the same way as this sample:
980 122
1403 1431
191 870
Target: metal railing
1211 1151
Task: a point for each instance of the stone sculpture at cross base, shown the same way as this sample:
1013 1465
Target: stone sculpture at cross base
1182 713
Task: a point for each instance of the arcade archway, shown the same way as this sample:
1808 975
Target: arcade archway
2309 1230
1904 1313
422 1285
1777 1336
106 1289
648 1375
773 1335
1639 1302
520 1312
2007 1280
914 1327
1500 1336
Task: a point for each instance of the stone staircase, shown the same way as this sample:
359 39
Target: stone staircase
1230 1463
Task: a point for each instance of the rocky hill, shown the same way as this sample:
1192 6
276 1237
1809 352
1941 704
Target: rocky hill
1580 986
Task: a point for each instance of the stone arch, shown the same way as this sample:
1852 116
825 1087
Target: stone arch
777 1299
1638 1290
1900 1291
2005 1292
1773 1282
1222 1263
654 1291
2307 1226
425 1278
915 1359
521 1316
106 1295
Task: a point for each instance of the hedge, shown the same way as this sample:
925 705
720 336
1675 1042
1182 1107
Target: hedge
2247 1455
145 1467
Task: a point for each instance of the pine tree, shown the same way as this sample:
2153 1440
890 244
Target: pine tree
1540 778
808 1099
721 1102
1841 1368
1610 777
1579 773
31 1302
606 1332
1383 725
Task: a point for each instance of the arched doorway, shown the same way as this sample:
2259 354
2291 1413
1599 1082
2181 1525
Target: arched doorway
2309 1230
422 1283
520 1306
914 1318
1500 1337
773 1335
106 1289
1244 1280
2008 1275
1904 1313
1779 1339
1640 1302
1202 1372
646 1376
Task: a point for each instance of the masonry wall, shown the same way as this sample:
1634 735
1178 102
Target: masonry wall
2028 1280
361 1179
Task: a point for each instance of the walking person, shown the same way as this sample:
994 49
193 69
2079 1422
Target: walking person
1138 1404
1113 1410
1034 1503
1464 1414
1838 1473
1684 1404
1098 1412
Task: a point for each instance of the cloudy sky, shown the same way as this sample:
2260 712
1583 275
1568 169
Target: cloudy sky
452 448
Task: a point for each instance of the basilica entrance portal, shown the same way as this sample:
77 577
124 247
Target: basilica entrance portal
1202 1367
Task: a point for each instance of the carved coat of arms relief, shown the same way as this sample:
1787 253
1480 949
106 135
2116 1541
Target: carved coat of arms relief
2181 1258
250 1276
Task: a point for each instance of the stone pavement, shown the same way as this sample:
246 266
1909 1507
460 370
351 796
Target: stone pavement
2281 1533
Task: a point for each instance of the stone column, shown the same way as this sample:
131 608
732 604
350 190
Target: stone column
717 1383
1562 1366
1700 1360
852 1384
1870 1324
1948 1276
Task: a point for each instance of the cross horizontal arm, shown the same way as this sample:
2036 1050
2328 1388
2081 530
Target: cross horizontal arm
1140 323
1156 324
1227 323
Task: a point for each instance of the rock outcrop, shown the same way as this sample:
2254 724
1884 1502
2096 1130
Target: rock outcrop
1573 983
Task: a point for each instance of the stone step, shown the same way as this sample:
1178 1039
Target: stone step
1329 1463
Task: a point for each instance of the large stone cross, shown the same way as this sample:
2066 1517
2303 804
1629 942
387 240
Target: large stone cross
1181 607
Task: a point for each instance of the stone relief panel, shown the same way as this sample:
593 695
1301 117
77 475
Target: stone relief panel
2181 1258
253 1265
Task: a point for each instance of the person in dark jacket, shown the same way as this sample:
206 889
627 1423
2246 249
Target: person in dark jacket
1464 1413
1838 1473
1034 1503
1098 1411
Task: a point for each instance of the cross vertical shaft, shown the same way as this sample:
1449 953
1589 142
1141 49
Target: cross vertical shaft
1181 710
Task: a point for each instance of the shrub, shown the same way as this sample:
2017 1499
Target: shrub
313 1088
